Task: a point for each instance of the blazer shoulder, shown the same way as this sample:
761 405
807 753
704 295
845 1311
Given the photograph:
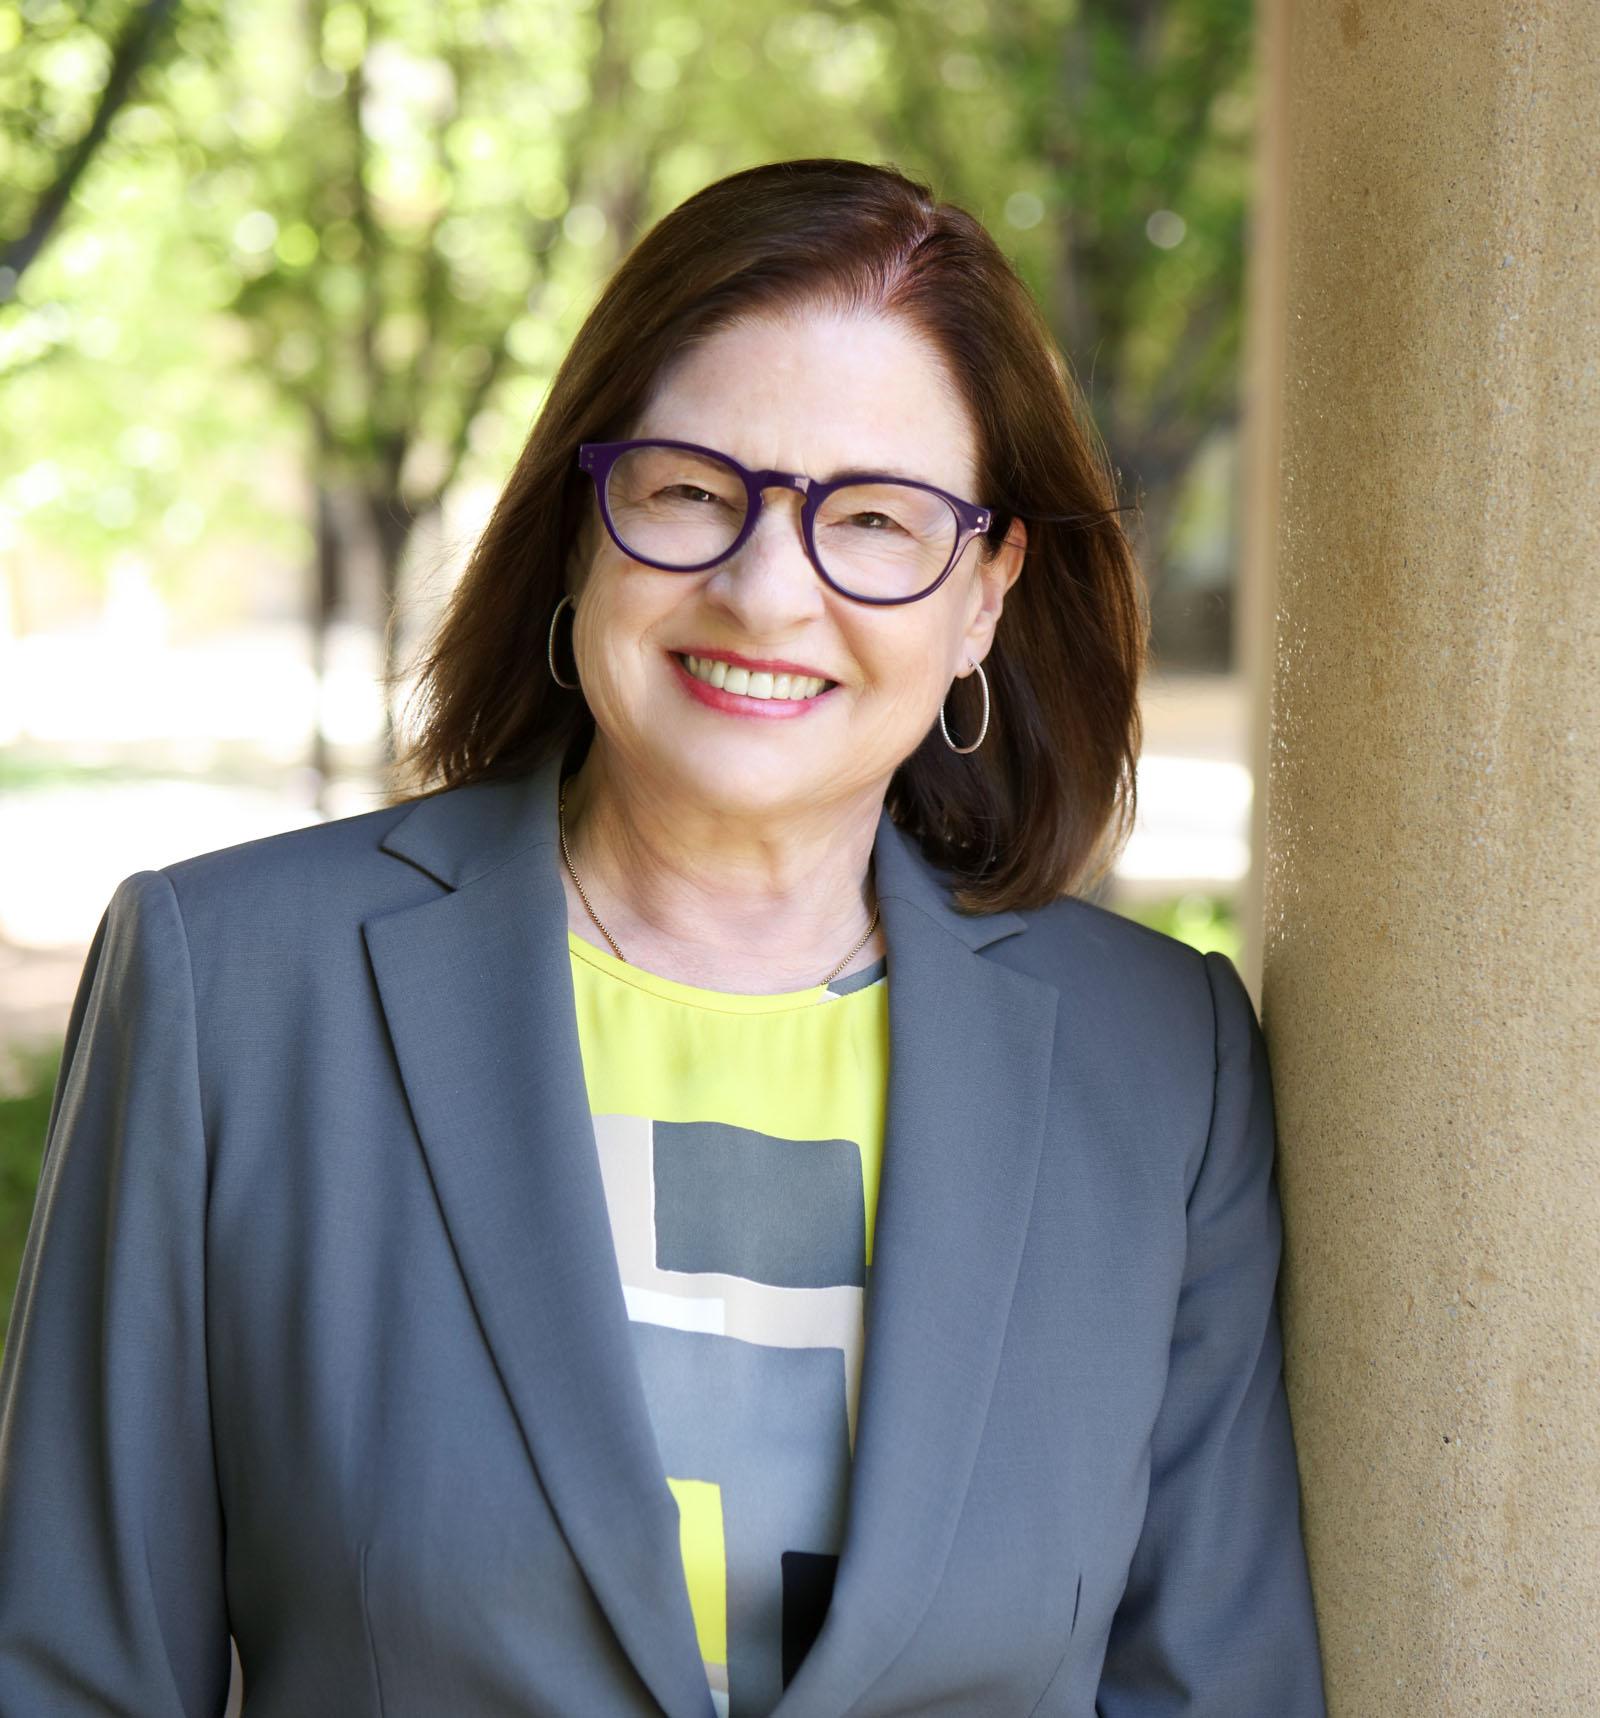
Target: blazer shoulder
1142 997
1110 949
1141 1016
300 877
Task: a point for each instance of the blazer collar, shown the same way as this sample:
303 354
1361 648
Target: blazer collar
476 988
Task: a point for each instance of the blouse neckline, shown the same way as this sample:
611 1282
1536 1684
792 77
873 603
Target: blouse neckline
692 995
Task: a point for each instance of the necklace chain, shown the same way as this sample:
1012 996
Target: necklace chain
561 823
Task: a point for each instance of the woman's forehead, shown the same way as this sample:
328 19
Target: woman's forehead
817 393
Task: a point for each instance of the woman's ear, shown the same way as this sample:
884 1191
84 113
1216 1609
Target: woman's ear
580 556
1013 551
996 576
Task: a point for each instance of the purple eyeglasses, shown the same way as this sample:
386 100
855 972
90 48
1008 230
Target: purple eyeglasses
872 536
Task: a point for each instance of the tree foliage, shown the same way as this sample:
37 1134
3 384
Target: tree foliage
354 236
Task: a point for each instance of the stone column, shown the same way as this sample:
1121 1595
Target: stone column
1430 928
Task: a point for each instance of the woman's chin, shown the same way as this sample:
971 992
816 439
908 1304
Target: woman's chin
747 779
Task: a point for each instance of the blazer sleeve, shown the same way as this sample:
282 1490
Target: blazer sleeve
1216 1620
111 1535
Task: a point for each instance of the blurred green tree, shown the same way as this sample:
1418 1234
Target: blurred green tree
57 102
361 232
1111 141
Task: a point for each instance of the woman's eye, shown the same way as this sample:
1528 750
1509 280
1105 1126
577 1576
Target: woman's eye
689 491
858 518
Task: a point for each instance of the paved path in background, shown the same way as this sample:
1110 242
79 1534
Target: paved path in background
64 849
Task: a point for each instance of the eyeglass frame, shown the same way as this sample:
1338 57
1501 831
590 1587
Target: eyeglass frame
598 457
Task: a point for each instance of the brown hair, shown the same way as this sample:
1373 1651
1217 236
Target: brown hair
1044 805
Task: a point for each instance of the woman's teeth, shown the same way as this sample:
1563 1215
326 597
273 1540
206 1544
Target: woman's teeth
753 684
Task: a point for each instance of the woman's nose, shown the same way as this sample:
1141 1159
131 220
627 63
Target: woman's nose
780 520
772 578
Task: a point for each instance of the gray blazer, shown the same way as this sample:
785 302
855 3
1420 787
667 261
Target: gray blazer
320 1339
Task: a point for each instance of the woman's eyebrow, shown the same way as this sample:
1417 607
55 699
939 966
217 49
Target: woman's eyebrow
862 467
876 470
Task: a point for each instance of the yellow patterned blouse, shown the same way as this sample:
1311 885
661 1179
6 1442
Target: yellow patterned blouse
740 1142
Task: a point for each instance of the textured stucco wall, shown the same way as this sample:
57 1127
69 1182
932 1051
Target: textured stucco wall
1431 880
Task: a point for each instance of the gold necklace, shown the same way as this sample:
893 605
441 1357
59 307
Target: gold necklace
561 824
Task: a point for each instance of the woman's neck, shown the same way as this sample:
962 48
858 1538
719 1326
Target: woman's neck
692 895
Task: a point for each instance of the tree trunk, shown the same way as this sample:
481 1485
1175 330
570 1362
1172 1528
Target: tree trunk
327 582
391 524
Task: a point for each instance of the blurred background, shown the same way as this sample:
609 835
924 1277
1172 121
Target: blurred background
281 289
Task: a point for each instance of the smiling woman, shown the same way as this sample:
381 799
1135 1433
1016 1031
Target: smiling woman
862 578
855 1298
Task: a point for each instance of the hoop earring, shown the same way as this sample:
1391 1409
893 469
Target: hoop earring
550 648
983 680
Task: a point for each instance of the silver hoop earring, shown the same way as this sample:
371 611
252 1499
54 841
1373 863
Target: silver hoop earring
983 680
550 648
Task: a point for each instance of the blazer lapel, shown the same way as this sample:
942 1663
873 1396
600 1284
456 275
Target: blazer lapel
970 1052
477 992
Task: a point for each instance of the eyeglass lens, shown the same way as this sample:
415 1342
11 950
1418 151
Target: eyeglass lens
681 509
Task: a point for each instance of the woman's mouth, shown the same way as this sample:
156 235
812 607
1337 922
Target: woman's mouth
747 692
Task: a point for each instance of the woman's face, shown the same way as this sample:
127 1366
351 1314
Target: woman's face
820 395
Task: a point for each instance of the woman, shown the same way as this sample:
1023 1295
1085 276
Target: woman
461 1266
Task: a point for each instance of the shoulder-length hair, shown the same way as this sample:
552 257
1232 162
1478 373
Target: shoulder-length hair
1042 807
